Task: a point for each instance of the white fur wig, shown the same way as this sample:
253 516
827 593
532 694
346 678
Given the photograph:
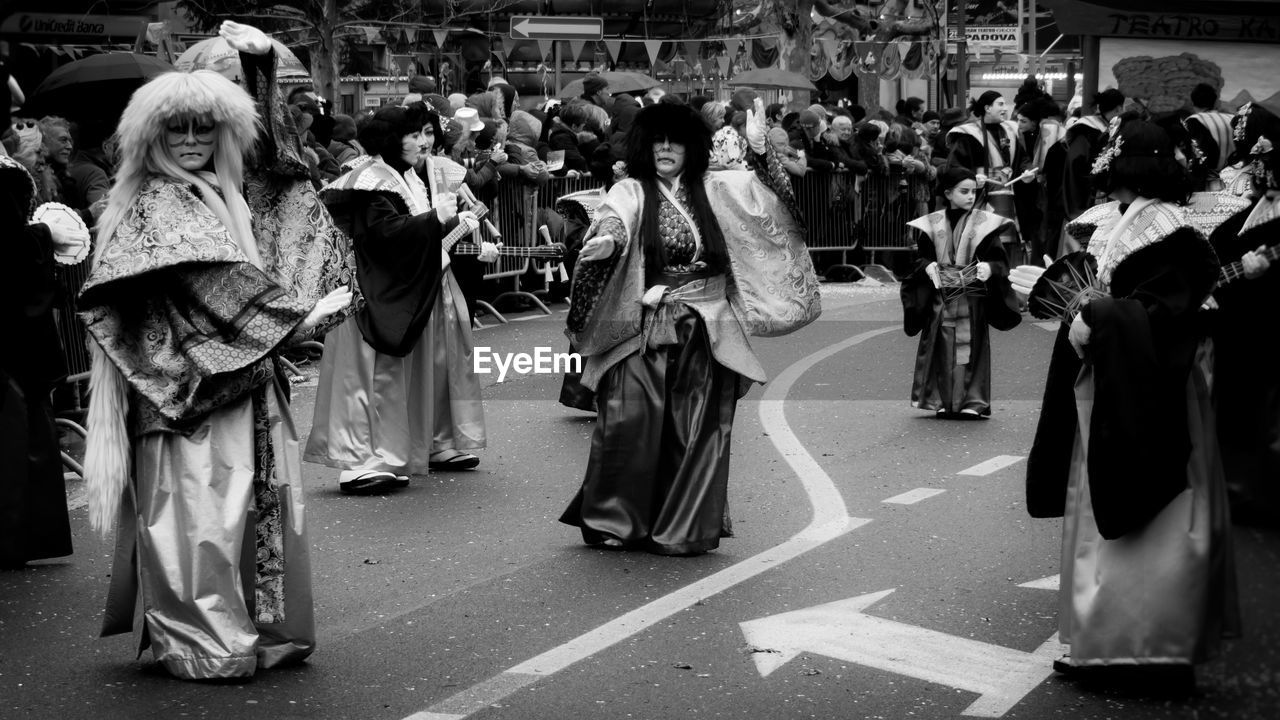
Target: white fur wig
143 153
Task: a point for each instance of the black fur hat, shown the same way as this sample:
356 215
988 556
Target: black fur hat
676 124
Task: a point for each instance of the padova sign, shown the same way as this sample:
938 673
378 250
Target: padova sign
546 27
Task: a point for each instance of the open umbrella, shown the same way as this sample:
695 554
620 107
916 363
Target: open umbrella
619 82
772 78
95 86
215 54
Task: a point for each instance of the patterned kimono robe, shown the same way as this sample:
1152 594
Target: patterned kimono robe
990 150
953 362
216 499
1126 452
668 378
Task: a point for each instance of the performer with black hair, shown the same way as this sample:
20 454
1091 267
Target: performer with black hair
376 412
670 282
190 438
1126 449
1211 139
1085 138
987 145
959 289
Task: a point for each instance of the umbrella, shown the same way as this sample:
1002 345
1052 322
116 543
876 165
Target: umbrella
619 82
773 78
94 86
215 54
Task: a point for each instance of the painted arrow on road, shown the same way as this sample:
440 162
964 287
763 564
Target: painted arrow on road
1001 676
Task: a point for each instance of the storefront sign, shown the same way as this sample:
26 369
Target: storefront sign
95 27
1004 37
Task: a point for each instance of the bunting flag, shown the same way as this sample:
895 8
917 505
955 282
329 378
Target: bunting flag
914 64
411 34
734 46
723 63
369 34
890 62
691 49
508 44
867 57
614 48
575 49
545 47
652 47
830 46
424 60
440 36
764 52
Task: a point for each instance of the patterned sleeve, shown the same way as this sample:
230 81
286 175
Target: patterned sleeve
279 146
771 171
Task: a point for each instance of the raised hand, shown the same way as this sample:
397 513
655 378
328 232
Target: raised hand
468 219
756 131
245 38
446 206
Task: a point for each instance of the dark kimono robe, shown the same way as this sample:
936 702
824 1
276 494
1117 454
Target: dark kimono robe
990 150
33 500
1084 141
1247 392
1126 452
953 362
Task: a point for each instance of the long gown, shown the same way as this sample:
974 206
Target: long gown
953 361
667 380
33 502
377 399
1126 452
212 566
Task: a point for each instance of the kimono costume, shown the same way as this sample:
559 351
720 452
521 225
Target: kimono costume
33 502
1085 138
381 391
212 535
1126 452
1247 393
953 362
989 149
667 380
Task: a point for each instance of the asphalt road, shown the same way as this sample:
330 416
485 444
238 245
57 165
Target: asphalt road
879 569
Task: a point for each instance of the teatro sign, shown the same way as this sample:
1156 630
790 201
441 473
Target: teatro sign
1088 18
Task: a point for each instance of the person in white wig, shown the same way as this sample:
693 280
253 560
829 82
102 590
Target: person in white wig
190 440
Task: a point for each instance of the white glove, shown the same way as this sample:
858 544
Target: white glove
326 306
597 248
653 296
488 251
1024 277
755 131
446 207
245 38
932 271
984 271
1079 334
468 219
67 241
1255 263
1210 303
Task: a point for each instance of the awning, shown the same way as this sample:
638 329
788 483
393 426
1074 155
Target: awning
1256 21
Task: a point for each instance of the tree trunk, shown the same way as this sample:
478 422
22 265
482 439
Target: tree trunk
324 54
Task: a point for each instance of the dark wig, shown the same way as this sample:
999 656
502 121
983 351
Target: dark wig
683 125
383 133
979 106
1250 126
1141 158
432 118
953 176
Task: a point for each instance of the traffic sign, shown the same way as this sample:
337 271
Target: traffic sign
538 27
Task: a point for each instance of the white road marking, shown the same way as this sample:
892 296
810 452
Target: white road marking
998 462
1050 326
1001 676
830 520
912 497
1049 583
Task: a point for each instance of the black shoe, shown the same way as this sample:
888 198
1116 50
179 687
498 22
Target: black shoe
374 483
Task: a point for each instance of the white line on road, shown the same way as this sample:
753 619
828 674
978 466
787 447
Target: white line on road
912 497
830 520
998 462
1049 583
1050 326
